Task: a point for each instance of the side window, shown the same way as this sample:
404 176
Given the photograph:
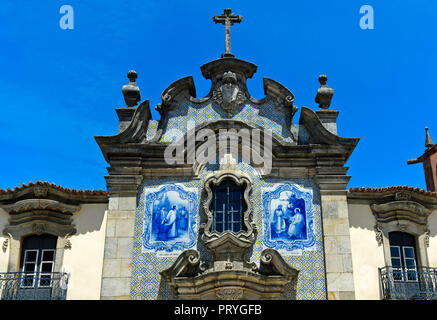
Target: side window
228 207
403 256
38 260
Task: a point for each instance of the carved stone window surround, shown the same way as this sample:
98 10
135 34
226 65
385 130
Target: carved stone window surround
38 216
244 238
402 215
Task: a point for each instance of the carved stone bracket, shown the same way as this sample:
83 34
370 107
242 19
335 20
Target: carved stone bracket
6 242
426 238
378 235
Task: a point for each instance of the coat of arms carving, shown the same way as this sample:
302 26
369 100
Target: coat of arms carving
228 94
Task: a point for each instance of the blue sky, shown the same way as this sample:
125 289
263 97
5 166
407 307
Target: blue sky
59 88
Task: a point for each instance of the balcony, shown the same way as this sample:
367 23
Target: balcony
33 286
408 284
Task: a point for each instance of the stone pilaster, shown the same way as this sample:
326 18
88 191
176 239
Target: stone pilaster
118 254
336 238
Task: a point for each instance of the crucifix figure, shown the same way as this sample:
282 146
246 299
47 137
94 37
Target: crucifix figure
228 19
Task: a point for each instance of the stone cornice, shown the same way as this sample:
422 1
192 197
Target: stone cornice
387 194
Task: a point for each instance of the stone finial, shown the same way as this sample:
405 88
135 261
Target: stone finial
131 92
324 93
428 140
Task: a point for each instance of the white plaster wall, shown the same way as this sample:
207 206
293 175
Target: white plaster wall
367 256
432 249
84 261
4 256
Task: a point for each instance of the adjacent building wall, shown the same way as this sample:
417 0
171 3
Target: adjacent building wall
367 256
84 261
4 254
432 249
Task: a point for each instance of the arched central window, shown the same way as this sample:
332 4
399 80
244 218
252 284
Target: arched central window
228 206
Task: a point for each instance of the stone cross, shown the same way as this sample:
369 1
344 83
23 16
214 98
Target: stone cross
228 19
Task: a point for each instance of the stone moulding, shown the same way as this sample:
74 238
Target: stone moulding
40 216
401 210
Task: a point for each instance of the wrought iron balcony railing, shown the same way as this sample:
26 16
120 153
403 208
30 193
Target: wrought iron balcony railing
33 286
408 284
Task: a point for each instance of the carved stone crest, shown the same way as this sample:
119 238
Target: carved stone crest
39 228
402 195
229 294
228 95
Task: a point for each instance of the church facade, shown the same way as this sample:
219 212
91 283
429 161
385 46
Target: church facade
223 197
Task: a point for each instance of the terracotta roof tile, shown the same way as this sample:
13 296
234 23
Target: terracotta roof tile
45 183
393 188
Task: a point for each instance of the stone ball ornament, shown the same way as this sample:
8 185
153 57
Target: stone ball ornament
324 93
131 92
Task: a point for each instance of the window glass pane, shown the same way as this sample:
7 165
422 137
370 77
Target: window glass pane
46 267
410 263
219 227
408 252
48 255
30 256
396 262
29 267
226 206
395 252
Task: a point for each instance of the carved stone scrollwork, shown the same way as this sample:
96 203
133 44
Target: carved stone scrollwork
5 244
426 238
229 294
378 235
67 242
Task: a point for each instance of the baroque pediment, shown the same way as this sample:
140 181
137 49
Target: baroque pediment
228 89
